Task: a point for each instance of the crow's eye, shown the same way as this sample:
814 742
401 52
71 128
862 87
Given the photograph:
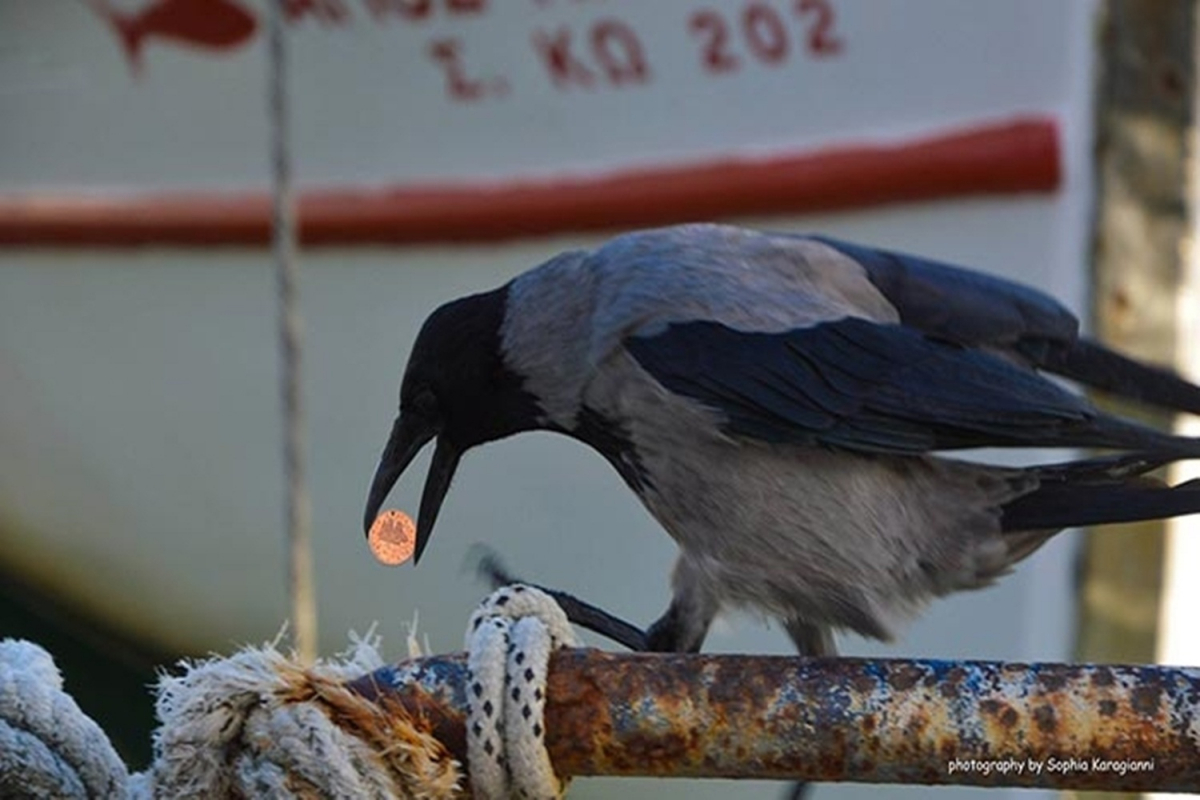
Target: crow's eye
425 404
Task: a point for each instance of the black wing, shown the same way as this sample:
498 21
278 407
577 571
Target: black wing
872 387
972 308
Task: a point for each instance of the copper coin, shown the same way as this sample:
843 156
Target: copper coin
393 537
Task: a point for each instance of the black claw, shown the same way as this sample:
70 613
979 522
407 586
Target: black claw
489 567
593 618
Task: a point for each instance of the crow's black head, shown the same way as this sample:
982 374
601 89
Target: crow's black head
457 389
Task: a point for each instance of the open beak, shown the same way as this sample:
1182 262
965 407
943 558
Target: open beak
409 435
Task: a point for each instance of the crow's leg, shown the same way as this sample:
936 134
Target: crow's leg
679 630
579 612
685 623
814 641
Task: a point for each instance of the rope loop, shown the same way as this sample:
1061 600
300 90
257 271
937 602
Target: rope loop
509 641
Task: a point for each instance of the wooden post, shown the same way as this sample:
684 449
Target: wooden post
1144 110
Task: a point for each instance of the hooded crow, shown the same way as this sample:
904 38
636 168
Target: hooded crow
784 406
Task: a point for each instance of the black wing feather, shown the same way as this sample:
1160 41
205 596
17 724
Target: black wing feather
872 387
961 305
973 308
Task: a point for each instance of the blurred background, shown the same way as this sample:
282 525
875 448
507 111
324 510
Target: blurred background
440 147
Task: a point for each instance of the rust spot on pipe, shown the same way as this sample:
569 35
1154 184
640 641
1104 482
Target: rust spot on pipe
862 683
1144 699
1044 717
1054 681
904 678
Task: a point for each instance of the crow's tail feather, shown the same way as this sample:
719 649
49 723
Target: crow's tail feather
1094 364
1099 492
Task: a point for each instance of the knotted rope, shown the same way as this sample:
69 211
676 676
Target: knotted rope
258 724
509 641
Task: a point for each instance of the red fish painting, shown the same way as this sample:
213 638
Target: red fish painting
212 24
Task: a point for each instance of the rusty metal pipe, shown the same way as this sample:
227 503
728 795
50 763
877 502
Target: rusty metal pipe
867 721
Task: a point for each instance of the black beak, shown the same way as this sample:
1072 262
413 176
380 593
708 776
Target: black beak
409 435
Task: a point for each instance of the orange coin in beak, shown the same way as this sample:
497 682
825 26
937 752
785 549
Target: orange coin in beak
392 537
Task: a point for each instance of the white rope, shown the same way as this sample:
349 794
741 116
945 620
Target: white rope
298 507
258 725
48 747
254 725
509 641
